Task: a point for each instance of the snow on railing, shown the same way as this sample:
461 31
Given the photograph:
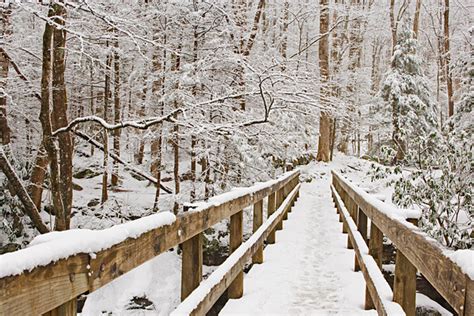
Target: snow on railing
450 272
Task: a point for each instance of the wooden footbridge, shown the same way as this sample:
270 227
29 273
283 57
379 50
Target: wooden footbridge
53 288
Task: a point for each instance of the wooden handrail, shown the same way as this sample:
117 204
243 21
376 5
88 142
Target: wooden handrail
56 285
204 297
414 252
377 286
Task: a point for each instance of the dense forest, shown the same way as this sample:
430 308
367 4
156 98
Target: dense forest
187 99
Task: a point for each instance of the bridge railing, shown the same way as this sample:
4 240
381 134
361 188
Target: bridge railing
415 253
53 286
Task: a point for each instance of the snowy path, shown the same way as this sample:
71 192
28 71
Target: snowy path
308 271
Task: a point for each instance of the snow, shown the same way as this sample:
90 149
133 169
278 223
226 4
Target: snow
51 247
390 210
424 301
464 258
236 193
192 301
159 280
309 270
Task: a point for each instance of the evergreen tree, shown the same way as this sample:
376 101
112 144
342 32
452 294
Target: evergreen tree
406 91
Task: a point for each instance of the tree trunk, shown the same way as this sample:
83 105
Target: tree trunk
117 113
192 194
5 30
156 144
105 176
20 191
141 114
447 62
176 68
46 124
91 104
59 114
393 25
284 41
416 19
325 121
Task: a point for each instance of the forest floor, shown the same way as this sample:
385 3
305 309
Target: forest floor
308 271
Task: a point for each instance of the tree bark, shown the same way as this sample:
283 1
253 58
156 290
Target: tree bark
46 124
416 19
20 191
393 25
447 62
156 144
105 135
176 68
117 113
59 113
5 30
325 121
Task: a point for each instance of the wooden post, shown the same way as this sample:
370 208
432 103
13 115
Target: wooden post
285 191
257 222
404 285
362 228
279 200
66 309
345 201
191 267
352 208
236 288
469 300
404 288
292 185
271 210
376 251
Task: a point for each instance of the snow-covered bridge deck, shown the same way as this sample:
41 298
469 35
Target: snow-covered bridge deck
309 270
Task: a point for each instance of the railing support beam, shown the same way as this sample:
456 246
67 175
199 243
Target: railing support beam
236 288
376 251
271 209
257 222
404 287
191 268
66 309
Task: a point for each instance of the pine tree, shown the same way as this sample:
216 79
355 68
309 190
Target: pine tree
406 91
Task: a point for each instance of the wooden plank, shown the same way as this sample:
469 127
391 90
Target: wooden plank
426 255
191 265
257 222
279 199
377 299
404 287
47 287
41 290
468 308
271 209
285 191
236 288
376 251
208 300
361 227
352 208
66 309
